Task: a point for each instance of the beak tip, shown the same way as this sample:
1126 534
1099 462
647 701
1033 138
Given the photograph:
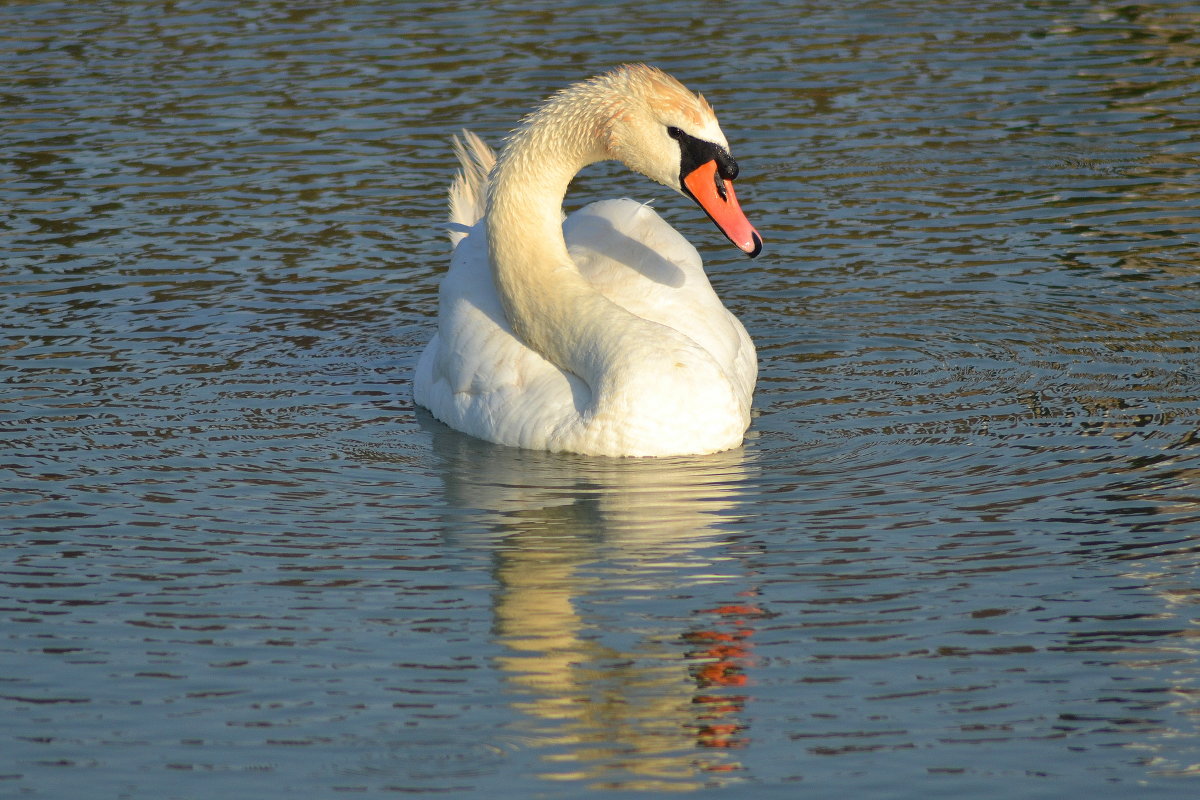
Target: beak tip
754 246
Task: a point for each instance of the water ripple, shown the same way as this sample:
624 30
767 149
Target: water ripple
957 551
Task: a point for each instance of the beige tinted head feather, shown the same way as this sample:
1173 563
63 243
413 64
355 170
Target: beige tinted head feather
631 114
668 94
595 118
641 104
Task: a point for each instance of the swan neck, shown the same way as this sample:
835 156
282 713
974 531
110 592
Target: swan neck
548 303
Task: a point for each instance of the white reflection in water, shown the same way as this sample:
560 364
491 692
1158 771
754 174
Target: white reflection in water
659 709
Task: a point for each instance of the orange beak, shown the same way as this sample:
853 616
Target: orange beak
715 195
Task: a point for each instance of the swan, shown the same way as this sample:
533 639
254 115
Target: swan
600 334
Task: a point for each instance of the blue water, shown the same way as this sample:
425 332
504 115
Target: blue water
957 556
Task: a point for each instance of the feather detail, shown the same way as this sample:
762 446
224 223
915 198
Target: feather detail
468 191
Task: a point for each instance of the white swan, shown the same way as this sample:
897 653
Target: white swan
598 335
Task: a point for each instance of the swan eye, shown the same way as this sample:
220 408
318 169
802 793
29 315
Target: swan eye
675 133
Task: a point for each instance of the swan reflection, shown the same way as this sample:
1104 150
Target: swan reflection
615 696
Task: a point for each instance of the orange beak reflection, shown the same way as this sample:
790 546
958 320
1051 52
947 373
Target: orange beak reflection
715 195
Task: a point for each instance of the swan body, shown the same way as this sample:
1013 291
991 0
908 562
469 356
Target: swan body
599 334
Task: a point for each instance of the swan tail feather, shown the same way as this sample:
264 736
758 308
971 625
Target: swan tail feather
468 192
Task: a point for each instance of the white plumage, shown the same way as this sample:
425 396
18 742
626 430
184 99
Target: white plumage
597 335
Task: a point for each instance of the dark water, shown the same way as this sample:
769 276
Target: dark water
957 558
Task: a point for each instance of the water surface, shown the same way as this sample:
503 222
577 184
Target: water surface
957 556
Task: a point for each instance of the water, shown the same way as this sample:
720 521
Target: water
957 556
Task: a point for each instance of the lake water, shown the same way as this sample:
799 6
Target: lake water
957 557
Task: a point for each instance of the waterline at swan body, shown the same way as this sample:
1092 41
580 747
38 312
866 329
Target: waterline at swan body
601 334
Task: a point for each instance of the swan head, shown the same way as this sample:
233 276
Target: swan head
657 127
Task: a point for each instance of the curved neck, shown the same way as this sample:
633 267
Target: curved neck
549 304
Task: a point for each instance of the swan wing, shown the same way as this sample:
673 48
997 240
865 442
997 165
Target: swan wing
637 260
468 190
476 376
